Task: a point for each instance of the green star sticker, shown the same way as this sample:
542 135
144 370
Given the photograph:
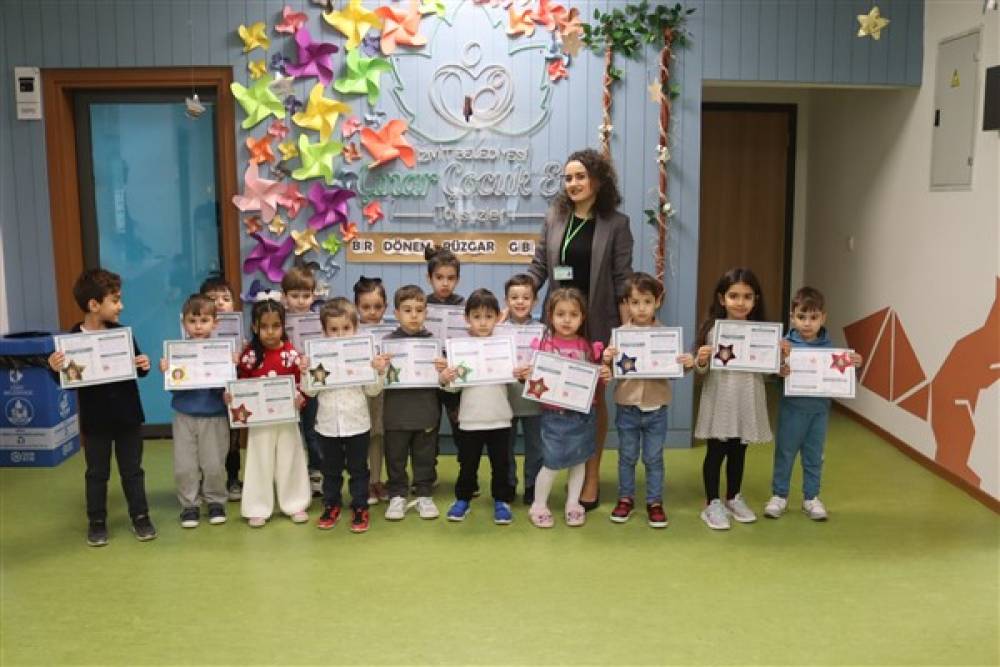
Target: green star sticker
391 374
332 244
364 75
257 101
317 159
463 370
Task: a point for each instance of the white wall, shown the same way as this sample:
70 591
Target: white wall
932 256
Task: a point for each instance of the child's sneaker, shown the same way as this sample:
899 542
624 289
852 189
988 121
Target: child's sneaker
359 521
300 517
656 516
623 510
316 483
190 517
714 516
143 528
235 490
216 514
397 509
426 508
373 494
329 518
97 533
256 522
775 507
814 509
501 513
459 510
739 510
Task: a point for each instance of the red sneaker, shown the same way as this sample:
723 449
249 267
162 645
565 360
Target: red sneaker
329 518
623 510
656 517
359 521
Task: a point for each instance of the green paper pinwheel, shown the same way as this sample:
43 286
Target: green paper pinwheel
317 159
364 75
331 244
257 101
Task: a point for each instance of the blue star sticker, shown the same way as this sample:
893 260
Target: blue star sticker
627 364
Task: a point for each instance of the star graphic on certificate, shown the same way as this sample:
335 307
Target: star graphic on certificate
725 354
462 371
391 374
240 414
73 371
841 361
537 387
626 364
319 375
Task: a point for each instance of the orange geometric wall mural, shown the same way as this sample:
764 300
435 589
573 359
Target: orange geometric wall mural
948 401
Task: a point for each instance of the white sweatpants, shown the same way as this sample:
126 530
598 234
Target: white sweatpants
275 457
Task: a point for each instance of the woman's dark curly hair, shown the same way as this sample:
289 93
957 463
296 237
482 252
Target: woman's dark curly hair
599 169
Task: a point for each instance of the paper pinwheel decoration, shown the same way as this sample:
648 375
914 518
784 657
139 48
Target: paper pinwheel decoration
627 364
292 104
254 37
350 126
349 231
329 206
557 70
278 63
545 16
292 200
331 244
260 149
364 76
351 152
370 45
520 23
354 21
537 387
321 114
259 194
568 22
388 143
374 118
278 225
291 21
281 171
400 28
305 240
433 7
317 159
725 354
257 101
282 86
268 257
253 224
329 268
258 68
278 129
288 150
314 58
373 212
872 24
571 44
346 179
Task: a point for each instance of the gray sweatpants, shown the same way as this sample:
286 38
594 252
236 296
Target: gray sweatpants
200 448
420 448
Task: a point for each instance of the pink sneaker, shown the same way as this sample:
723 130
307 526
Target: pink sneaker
256 522
300 517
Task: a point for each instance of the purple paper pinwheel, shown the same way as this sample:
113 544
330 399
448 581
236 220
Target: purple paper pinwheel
278 63
293 105
314 58
268 257
329 206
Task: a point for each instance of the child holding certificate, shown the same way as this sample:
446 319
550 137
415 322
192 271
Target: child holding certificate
802 420
733 408
110 414
343 425
370 300
275 457
641 416
484 416
568 437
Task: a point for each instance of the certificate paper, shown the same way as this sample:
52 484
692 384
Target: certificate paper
446 322
824 372
482 360
523 335
647 352
228 326
739 345
412 362
260 401
301 327
378 332
563 382
198 364
96 357
339 362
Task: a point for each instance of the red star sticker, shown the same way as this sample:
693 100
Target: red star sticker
240 413
537 387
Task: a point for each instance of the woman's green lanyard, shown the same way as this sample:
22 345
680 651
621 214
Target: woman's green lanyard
571 234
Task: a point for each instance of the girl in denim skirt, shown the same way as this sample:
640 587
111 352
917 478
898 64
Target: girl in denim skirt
568 437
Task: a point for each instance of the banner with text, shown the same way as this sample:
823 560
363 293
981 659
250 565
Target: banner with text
484 247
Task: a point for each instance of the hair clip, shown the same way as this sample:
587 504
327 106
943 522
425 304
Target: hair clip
268 295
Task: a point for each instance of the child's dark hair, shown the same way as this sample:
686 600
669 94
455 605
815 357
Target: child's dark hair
259 310
482 298
95 284
566 294
338 307
298 278
215 283
368 285
520 280
198 304
437 257
716 311
644 284
810 300
406 293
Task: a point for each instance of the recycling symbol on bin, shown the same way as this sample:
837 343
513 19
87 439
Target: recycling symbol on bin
19 412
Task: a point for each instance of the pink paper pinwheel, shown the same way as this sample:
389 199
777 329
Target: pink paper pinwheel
568 21
259 194
268 257
278 129
557 70
400 27
546 14
329 206
373 212
388 143
314 58
520 23
292 200
291 21
253 224
350 126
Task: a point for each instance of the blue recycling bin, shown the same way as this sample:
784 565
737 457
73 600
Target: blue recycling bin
38 419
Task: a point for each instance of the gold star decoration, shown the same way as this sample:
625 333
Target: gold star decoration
572 44
872 24
656 92
277 225
305 241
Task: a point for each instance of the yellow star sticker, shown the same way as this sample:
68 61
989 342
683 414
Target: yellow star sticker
321 113
288 150
354 22
872 24
258 68
277 225
254 37
305 241
655 92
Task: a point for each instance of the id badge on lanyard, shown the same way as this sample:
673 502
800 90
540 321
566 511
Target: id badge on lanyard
565 271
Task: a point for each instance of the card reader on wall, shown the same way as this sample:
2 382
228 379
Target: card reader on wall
991 103
28 93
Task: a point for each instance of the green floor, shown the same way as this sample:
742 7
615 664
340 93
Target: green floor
905 572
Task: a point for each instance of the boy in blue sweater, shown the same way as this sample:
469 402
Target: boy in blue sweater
802 420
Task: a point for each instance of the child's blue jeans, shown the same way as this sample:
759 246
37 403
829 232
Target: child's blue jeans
644 432
532 427
799 431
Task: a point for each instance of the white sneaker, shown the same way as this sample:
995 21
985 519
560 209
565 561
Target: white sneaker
397 509
426 508
775 507
714 516
814 509
739 510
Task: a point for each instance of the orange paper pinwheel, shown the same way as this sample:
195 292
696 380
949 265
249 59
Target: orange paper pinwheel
388 143
520 23
351 152
545 15
349 231
400 27
260 149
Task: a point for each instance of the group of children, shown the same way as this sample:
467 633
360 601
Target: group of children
353 429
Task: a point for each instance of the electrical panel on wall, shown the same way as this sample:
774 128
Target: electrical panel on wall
955 98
